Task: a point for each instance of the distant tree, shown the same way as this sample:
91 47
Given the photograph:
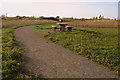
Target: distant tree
57 17
3 17
18 17
52 18
91 19
71 18
101 17
94 18
83 19
115 19
33 17
23 16
41 17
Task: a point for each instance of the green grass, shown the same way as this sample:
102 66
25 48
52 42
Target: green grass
11 56
45 26
98 44
12 53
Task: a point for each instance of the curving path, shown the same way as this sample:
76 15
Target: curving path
53 61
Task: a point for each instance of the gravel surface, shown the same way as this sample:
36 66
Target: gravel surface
50 60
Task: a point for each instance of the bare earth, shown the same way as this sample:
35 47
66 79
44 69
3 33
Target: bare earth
54 61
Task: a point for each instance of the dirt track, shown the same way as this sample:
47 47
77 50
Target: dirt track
53 61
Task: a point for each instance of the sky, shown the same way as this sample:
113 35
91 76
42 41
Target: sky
60 0
62 8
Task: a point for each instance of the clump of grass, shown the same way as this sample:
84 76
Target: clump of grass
98 44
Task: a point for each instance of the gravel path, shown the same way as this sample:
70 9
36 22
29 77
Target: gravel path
53 61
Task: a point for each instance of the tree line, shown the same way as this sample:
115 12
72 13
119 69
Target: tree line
57 18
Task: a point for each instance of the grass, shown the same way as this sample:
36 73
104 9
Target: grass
98 44
11 57
12 53
45 26
24 22
95 23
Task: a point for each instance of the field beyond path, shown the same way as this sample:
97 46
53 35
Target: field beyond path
53 61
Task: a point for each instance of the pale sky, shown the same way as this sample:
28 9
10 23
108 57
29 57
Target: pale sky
63 8
60 0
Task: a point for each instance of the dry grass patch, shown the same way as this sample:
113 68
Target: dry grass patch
94 23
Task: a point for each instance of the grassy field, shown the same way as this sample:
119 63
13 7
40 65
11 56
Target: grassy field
11 51
96 43
6 23
94 23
